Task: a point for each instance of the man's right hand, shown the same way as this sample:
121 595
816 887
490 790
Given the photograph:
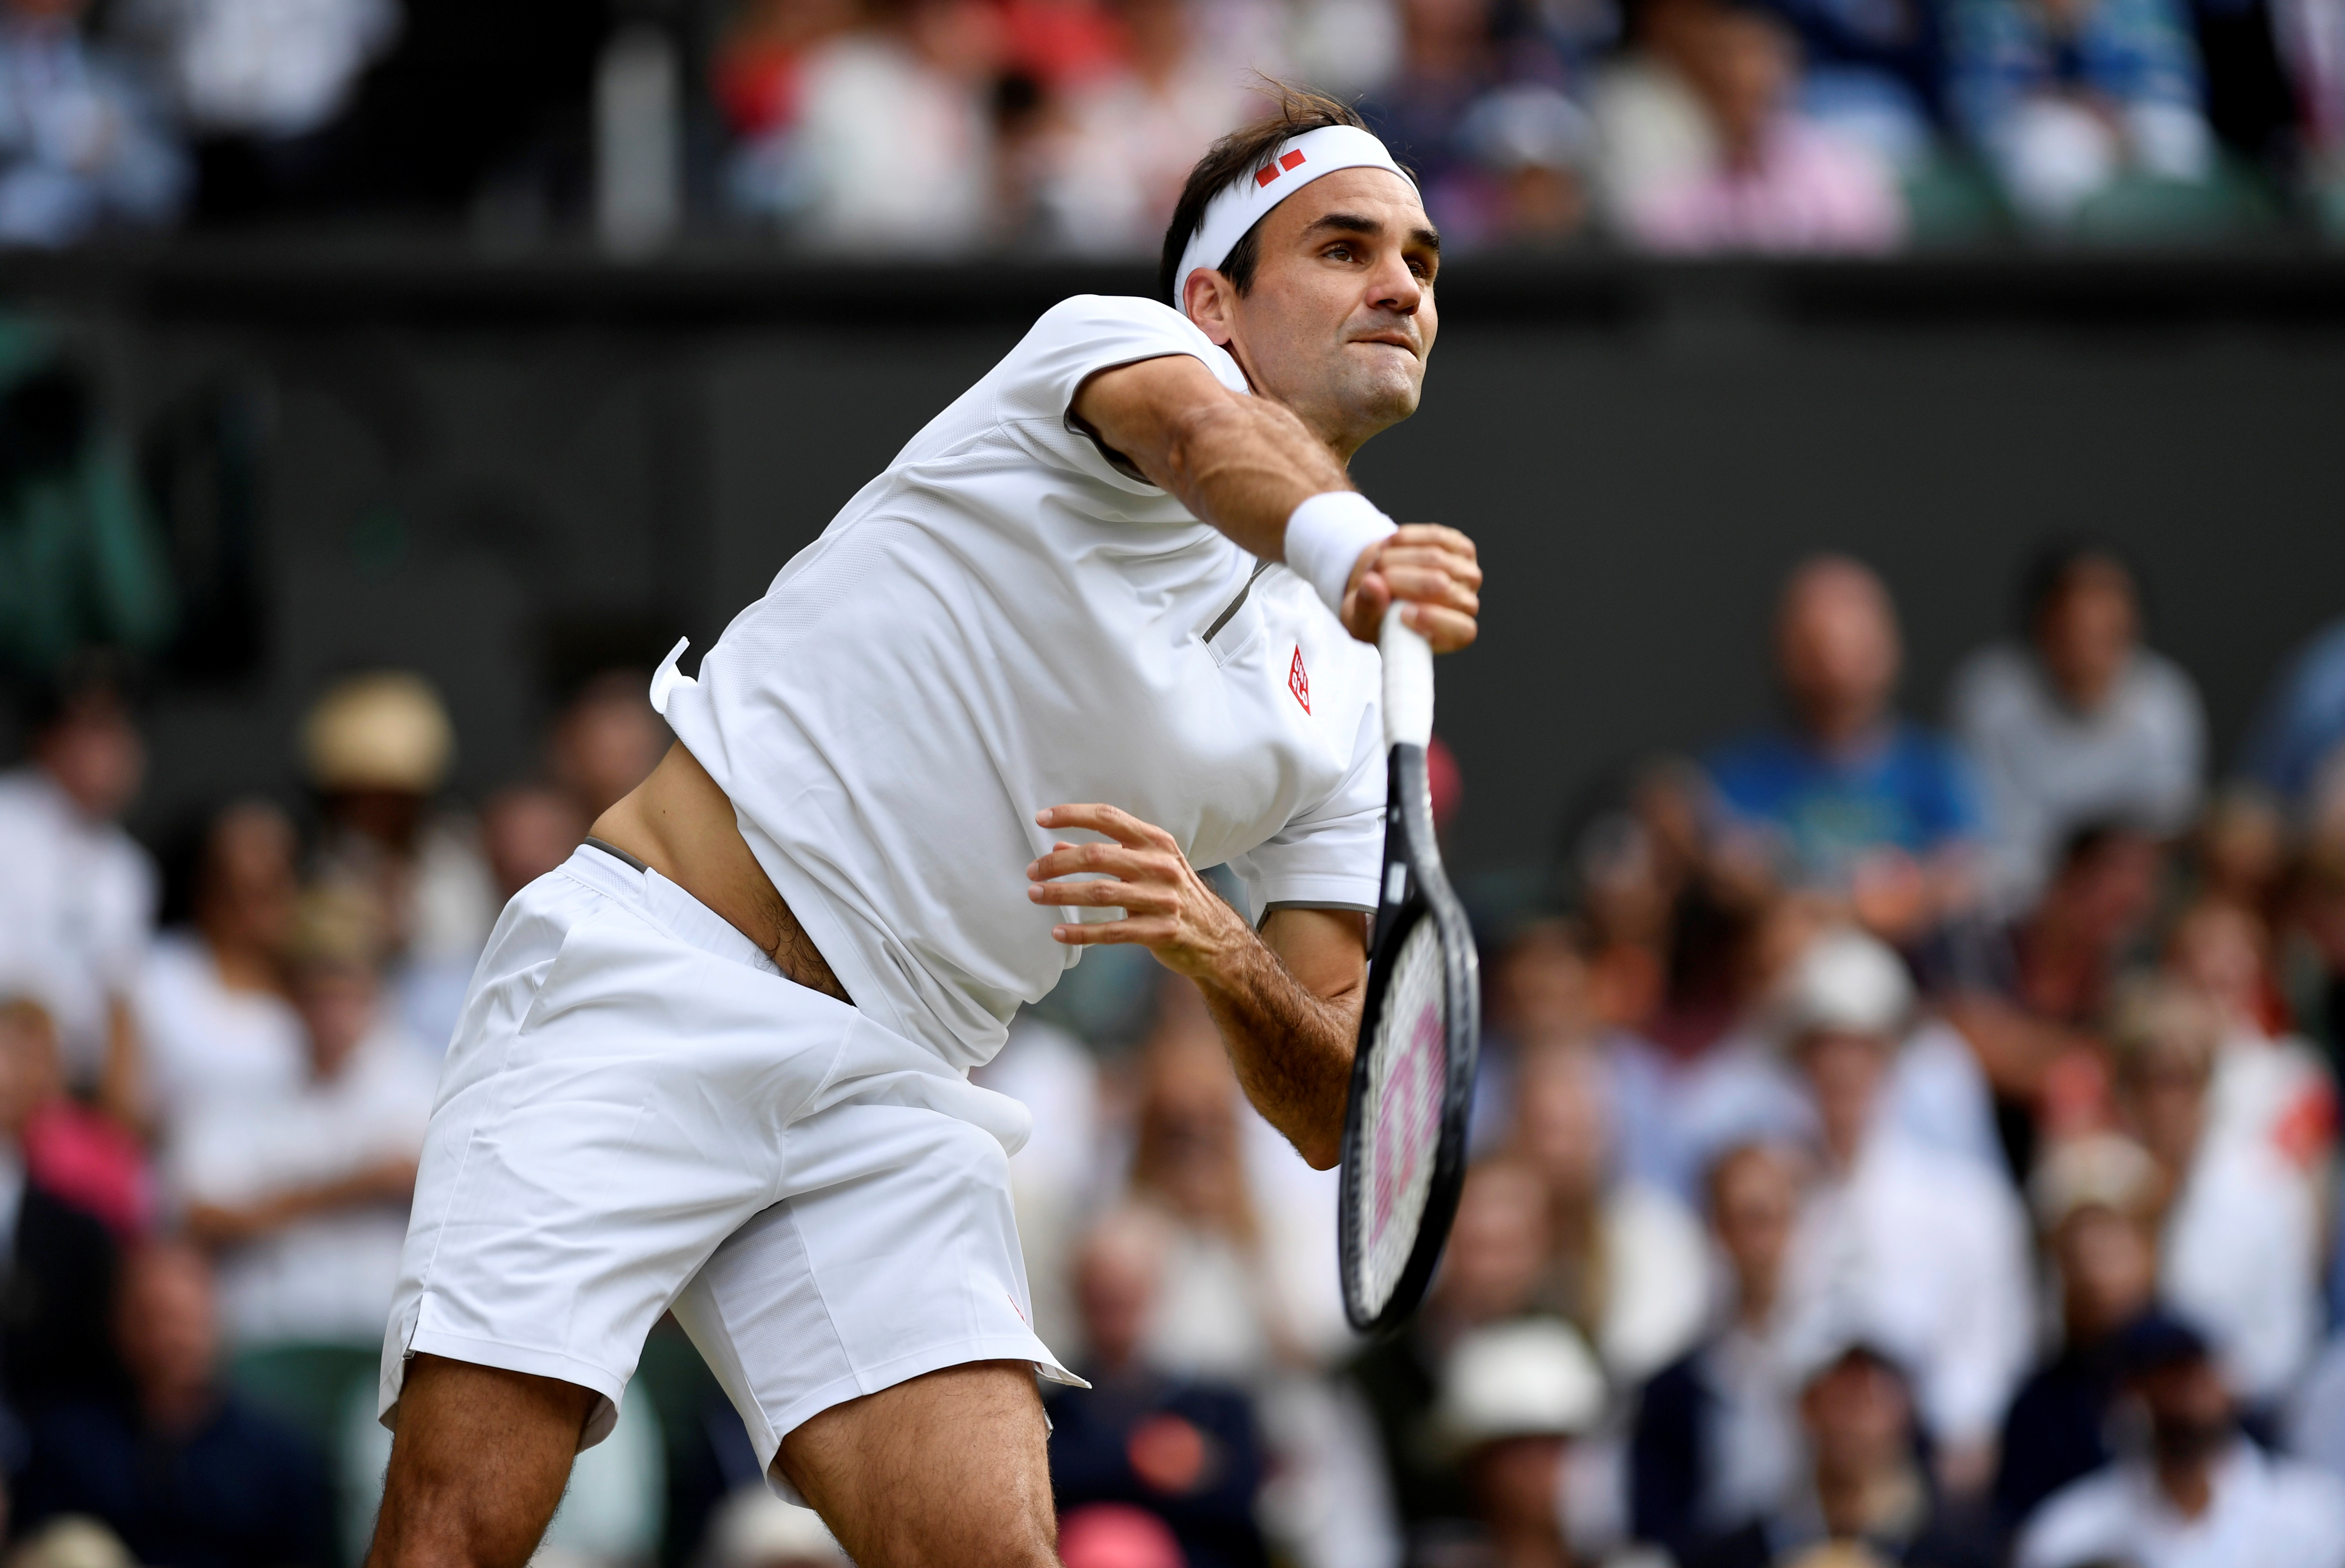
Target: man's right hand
1429 568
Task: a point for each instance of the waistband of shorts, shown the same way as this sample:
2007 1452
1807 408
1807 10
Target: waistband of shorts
666 905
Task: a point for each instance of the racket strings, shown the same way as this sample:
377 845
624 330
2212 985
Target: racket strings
1408 1072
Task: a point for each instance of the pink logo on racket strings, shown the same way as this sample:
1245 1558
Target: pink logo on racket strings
1413 1093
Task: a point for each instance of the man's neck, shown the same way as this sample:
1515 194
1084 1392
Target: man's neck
2188 1484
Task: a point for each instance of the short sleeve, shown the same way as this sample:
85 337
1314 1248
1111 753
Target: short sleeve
1332 855
1075 340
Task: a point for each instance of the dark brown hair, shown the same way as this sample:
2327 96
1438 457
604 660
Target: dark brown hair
1234 157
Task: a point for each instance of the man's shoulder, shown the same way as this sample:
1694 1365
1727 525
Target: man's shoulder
2090 1520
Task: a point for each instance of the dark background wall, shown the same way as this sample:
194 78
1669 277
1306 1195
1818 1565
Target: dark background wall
500 474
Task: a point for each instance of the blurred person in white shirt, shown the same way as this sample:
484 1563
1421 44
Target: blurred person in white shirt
1131 138
2194 1493
78 903
212 1011
2270 1088
2080 724
1924 1252
305 1195
893 149
2239 1252
606 741
1516 1399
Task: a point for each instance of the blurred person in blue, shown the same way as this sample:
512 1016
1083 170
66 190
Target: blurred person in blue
1183 1449
1777 180
2095 1201
2297 749
1861 1483
1715 1436
1862 803
213 1015
1536 149
304 1194
181 1468
2190 1490
1449 58
78 906
2239 1237
1875 72
1927 1251
82 148
2080 723
2065 97
1517 1399
1652 129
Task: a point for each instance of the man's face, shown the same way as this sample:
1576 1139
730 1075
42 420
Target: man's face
1340 316
1837 646
1754 1198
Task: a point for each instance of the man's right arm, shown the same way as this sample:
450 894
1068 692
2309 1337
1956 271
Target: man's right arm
1244 463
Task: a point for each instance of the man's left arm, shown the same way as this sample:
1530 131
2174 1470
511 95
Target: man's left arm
1287 999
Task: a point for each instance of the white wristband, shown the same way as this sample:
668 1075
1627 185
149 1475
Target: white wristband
1325 536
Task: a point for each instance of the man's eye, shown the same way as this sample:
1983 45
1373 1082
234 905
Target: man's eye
1339 253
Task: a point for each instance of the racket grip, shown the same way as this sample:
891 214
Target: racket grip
1408 681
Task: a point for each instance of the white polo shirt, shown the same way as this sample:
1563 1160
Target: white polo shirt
1003 621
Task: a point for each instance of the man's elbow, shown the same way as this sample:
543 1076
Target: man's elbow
1193 433
1322 1150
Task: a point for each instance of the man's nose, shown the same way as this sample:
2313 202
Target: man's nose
1395 288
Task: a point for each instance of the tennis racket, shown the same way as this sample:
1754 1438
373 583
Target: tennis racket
1413 1075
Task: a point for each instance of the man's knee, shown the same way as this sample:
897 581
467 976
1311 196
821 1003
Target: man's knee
479 1458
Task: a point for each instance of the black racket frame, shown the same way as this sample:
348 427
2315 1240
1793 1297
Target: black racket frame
1424 893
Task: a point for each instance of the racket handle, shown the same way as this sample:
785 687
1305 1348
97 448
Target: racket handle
1408 681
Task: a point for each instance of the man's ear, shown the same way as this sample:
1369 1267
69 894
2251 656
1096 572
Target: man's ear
1210 299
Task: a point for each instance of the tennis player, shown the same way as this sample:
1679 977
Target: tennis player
1105 620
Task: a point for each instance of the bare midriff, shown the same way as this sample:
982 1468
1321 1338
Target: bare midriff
680 824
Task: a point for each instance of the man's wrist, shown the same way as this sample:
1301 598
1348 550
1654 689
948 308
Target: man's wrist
1325 536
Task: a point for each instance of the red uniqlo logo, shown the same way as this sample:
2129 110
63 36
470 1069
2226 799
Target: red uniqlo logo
1298 681
1269 172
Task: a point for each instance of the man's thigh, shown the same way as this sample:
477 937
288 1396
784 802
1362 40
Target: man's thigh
478 1465
947 1468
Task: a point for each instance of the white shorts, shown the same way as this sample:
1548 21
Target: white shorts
640 1114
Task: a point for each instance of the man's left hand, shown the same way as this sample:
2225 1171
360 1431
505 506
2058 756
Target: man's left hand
1167 907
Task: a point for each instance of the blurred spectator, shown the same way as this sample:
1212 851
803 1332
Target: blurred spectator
1536 149
1874 73
305 1195
1514 1398
2201 1493
606 739
258 84
60 1261
2298 746
526 831
1864 803
212 1015
1132 135
1924 1254
76 1154
755 1529
2317 906
77 906
1488 1273
81 148
2082 724
2239 1238
1448 60
1777 181
2269 1089
759 64
1715 1440
1184 1450
1866 1490
2062 97
2027 995
2241 848
894 142
1652 132
2095 1199
1111 1535
183 1470
1625 1264
1238 1278
379 748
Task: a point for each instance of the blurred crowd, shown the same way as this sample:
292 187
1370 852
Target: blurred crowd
1893 1144
943 126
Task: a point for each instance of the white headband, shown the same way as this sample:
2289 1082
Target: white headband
1240 204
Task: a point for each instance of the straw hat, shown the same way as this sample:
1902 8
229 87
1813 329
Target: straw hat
382 731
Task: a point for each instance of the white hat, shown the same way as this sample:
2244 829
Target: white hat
1846 982
1530 1378
2099 1170
382 731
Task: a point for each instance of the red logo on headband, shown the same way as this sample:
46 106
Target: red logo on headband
1269 172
